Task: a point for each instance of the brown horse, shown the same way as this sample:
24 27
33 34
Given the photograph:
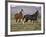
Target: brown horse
19 16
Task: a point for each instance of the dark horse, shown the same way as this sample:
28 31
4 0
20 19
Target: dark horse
31 17
19 16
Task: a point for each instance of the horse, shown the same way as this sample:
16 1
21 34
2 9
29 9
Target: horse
31 17
19 16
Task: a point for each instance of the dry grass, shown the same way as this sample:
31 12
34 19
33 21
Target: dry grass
28 26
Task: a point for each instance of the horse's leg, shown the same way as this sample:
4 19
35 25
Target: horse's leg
37 21
26 20
32 22
23 20
16 20
20 20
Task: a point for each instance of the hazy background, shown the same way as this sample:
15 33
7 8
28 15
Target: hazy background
26 9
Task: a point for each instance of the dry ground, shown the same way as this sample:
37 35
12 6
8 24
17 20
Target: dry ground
28 26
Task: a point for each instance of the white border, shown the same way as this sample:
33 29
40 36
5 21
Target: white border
24 32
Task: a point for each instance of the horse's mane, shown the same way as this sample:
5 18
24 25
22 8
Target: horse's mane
36 13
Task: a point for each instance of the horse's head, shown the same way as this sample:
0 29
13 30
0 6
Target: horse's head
21 11
37 12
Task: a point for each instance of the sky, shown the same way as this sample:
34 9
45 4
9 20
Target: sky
26 10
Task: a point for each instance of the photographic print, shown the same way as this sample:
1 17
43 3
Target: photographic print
25 18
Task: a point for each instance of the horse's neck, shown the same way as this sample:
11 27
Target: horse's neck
35 13
21 12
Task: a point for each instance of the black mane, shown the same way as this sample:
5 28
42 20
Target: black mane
31 17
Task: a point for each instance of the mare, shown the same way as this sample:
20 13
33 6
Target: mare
19 16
